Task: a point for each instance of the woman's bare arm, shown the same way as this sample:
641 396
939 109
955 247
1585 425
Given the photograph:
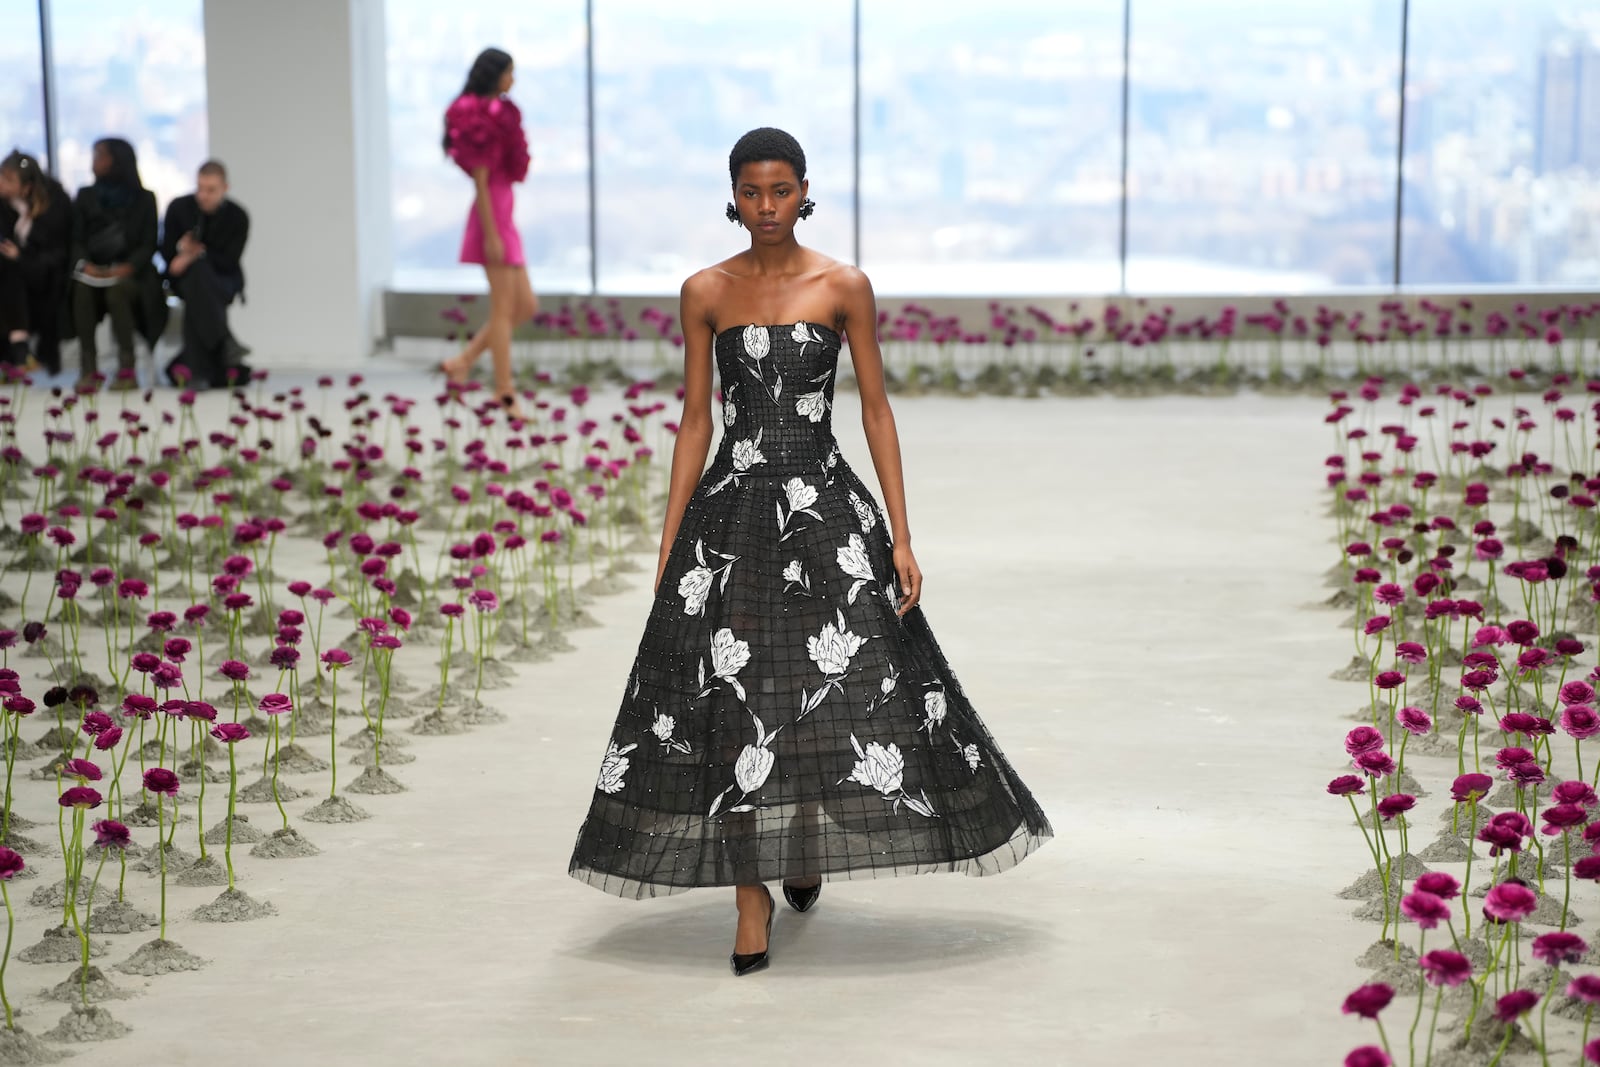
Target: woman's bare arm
693 440
861 326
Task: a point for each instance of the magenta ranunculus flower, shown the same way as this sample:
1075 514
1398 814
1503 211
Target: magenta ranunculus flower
1377 624
1579 721
230 732
1510 756
1368 1000
1425 909
1586 988
109 833
81 769
1575 792
199 709
1389 593
1577 693
1396 804
1377 764
1560 818
1514 1004
335 658
10 863
161 780
400 617
1410 652
1470 786
95 723
1523 775
1442 885
1363 739
145 662
299 589
1389 680
233 670
275 704
80 796
1558 947
1415 720
484 600
1509 902
1345 785
452 611
1442 967
1522 631
107 739
1490 635
1368 1056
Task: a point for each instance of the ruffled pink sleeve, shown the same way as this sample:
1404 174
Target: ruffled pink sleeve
516 157
474 134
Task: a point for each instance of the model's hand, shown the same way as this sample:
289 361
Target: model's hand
9 249
179 264
120 270
494 249
905 565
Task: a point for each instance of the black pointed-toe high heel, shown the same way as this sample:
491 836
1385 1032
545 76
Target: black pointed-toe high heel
801 898
745 962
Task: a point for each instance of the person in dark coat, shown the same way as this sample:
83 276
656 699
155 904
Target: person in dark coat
113 248
202 240
35 238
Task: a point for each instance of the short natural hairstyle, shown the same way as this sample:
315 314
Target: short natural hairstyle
212 166
766 144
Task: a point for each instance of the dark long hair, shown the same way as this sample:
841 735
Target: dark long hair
35 182
124 164
483 79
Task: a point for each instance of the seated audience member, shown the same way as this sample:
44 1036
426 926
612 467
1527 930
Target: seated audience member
202 240
35 237
113 248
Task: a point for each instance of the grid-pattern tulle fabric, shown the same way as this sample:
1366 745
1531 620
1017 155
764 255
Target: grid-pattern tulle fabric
780 721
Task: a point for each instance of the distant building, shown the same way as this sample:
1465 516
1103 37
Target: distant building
1568 132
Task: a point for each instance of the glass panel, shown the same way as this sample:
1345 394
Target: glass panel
1262 144
675 86
431 48
1503 144
136 71
22 89
991 146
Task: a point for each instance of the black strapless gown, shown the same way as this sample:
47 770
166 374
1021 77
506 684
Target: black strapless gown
780 721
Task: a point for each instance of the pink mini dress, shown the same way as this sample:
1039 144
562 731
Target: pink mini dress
486 131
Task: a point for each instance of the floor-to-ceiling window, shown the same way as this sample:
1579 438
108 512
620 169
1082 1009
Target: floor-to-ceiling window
431 48
991 145
134 69
1502 164
22 88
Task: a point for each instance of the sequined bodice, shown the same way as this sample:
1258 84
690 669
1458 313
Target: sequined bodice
777 388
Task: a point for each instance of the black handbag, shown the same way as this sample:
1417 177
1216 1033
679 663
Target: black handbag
108 244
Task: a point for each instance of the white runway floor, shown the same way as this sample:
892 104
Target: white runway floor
1120 586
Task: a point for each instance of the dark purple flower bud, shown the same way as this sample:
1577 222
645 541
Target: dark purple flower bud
230 732
161 780
109 833
80 796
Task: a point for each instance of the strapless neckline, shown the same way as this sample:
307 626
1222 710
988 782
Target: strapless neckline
774 326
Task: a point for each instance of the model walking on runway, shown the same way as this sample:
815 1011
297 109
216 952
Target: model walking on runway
789 716
483 134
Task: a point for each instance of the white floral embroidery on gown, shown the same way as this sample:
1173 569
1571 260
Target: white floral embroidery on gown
781 720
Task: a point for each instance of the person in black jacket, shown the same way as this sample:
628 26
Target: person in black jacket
202 240
35 236
113 247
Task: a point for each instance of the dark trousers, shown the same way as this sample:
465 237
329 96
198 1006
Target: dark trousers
206 295
13 299
89 305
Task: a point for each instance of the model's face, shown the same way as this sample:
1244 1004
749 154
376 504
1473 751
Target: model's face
10 184
209 192
508 79
101 163
768 196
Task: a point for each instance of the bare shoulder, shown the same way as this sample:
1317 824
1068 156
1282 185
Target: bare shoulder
701 292
849 283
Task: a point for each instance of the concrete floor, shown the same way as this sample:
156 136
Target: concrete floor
1120 585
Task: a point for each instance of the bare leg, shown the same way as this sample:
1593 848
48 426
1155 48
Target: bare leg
752 933
523 306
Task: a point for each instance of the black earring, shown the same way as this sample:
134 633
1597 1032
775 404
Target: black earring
807 206
733 214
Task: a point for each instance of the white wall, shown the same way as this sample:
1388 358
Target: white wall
298 112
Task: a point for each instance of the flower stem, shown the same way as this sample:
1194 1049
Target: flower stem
233 782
